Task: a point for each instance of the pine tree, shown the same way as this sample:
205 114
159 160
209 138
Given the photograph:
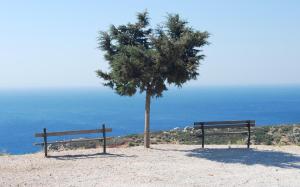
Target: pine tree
147 60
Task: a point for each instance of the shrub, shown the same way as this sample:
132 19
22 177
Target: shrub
131 144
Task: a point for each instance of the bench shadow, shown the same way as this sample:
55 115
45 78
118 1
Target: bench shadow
248 157
88 156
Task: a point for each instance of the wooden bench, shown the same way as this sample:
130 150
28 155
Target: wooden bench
225 124
46 134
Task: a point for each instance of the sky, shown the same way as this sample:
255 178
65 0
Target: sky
53 44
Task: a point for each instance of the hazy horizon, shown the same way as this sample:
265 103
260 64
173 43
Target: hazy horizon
186 87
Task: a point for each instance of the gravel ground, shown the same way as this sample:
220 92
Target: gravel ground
162 165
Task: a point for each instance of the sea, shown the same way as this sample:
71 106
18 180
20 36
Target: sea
24 112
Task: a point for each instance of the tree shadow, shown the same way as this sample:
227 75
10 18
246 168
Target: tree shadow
88 156
248 157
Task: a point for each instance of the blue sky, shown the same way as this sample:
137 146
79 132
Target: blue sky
53 43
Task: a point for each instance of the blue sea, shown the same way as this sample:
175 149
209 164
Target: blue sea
25 112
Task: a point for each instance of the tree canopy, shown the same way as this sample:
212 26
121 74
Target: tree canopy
142 58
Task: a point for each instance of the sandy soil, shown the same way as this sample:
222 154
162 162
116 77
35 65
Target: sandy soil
162 165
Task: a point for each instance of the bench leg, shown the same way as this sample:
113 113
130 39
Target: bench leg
45 142
202 129
104 139
248 143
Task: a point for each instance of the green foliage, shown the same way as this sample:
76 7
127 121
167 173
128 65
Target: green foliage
146 59
131 144
3 154
262 136
133 135
266 135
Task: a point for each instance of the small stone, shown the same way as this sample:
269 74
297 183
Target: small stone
187 128
176 129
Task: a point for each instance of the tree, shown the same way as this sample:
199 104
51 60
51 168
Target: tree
147 60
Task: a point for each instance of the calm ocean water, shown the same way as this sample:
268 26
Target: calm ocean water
24 112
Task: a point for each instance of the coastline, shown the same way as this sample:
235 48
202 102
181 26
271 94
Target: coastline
278 135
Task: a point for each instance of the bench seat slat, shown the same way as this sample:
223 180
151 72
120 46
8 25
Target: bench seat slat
75 140
223 126
224 133
225 122
73 132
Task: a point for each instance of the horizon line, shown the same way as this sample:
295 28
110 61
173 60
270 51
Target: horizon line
101 87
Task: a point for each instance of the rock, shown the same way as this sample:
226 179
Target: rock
175 129
73 145
153 140
187 128
198 131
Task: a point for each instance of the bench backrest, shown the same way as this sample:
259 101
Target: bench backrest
73 132
224 124
46 134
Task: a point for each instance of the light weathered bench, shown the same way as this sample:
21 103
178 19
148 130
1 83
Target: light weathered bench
46 134
223 125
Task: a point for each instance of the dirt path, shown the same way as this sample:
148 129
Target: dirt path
162 165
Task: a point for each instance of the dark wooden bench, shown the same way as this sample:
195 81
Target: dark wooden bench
223 125
46 134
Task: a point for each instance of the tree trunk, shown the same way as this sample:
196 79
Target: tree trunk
147 121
